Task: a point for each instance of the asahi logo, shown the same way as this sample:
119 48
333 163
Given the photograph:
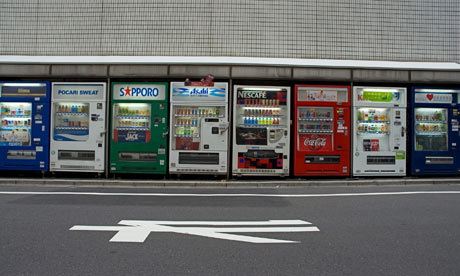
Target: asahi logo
315 142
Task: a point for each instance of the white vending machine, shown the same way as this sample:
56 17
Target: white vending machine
199 129
78 127
379 140
261 123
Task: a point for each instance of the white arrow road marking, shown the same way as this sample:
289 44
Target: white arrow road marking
139 230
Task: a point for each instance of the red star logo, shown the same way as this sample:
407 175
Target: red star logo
127 91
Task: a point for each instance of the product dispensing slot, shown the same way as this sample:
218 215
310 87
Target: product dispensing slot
21 154
198 158
439 160
83 155
261 154
381 160
322 159
137 156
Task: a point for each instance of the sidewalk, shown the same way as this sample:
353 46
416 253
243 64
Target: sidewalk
239 183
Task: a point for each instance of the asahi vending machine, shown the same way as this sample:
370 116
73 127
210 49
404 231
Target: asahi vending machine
78 126
379 133
261 133
199 128
139 128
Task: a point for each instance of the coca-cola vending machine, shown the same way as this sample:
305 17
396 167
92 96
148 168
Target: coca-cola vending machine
322 130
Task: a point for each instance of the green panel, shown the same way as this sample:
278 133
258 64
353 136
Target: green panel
151 155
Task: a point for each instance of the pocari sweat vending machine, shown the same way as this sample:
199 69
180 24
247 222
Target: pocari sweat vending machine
139 128
261 136
24 130
78 127
199 128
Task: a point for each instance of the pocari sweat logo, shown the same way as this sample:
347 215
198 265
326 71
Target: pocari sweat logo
139 92
199 92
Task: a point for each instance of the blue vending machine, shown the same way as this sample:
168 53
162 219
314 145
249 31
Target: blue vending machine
435 131
24 130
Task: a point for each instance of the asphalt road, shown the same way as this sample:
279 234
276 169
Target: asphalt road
359 234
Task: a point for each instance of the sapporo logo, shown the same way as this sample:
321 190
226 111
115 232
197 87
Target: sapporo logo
139 92
314 142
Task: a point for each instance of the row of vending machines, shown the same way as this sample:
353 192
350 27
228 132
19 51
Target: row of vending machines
62 126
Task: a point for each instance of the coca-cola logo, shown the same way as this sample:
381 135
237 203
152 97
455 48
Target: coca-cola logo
315 142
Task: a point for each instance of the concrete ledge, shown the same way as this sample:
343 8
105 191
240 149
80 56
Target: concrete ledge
245 72
433 76
321 74
282 183
138 71
79 70
380 75
24 70
197 71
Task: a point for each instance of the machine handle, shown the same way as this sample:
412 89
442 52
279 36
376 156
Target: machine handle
165 133
403 131
103 133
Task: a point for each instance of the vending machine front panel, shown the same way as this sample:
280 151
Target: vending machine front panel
139 128
322 120
435 131
261 131
24 129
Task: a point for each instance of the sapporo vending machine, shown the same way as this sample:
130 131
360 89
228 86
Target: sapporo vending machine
78 127
24 130
379 139
199 128
435 131
322 130
139 128
261 134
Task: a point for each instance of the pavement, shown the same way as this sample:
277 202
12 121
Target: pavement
315 230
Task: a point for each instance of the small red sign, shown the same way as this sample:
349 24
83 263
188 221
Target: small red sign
315 142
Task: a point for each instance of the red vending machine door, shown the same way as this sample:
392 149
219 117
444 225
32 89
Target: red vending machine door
322 131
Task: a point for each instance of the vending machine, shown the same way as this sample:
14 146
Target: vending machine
199 129
322 130
379 133
78 127
24 131
261 123
435 131
139 128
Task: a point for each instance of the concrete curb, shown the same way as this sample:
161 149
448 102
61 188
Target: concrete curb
227 184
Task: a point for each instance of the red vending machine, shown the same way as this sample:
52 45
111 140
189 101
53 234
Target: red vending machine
322 130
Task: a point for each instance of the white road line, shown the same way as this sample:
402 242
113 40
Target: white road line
227 195
138 230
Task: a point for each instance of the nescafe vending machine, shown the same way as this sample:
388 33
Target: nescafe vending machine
322 130
261 135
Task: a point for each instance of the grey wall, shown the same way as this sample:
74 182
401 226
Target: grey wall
405 30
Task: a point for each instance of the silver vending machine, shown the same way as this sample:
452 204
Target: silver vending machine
261 135
199 128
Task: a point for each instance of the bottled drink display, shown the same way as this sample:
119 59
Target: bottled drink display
430 129
261 112
136 116
315 120
15 123
71 115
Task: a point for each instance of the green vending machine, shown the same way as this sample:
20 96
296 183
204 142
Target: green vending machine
139 128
